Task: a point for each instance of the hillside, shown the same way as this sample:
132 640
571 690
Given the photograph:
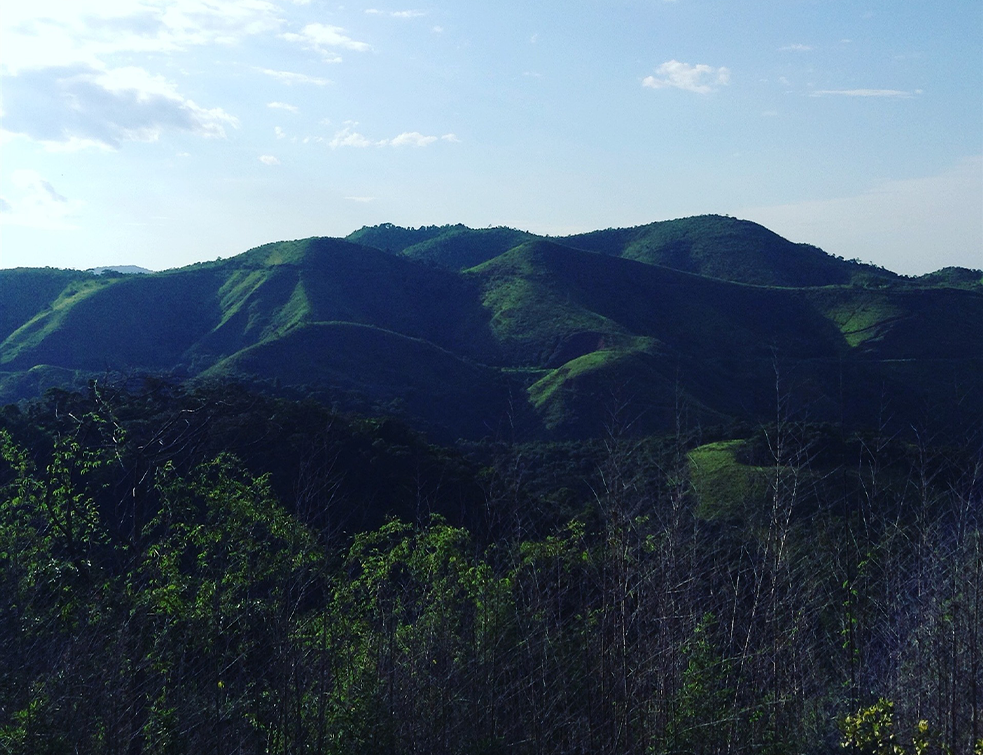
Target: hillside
728 248
464 331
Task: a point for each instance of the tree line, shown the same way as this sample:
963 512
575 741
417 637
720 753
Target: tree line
162 595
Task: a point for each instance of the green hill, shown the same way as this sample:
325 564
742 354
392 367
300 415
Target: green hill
461 248
26 292
728 248
954 277
464 329
394 239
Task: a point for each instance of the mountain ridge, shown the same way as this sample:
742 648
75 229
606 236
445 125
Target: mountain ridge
459 327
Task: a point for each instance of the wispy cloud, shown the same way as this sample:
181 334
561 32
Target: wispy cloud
283 106
268 160
897 93
409 139
363 200
289 77
69 108
700 78
796 48
37 204
324 39
36 35
349 137
396 13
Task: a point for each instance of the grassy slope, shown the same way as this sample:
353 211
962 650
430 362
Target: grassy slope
727 248
541 293
725 488
461 248
26 292
910 323
954 277
148 321
627 330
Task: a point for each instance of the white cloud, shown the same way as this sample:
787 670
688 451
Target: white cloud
396 13
410 139
796 48
700 78
268 160
47 33
73 107
348 137
323 38
283 106
279 132
289 77
361 199
897 93
37 204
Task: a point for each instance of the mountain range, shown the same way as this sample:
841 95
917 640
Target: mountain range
496 331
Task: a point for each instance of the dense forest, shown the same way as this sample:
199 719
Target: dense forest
208 569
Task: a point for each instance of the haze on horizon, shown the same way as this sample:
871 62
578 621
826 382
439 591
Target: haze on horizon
164 132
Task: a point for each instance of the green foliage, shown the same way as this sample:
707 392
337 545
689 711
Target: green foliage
703 703
871 731
155 590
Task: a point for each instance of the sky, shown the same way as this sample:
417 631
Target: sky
160 133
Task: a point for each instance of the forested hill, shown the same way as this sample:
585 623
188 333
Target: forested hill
465 332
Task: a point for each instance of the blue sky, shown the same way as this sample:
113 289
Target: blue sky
164 132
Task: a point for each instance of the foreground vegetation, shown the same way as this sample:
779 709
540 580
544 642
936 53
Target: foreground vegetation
215 571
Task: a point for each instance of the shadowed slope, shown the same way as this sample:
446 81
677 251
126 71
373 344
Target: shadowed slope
26 292
727 248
